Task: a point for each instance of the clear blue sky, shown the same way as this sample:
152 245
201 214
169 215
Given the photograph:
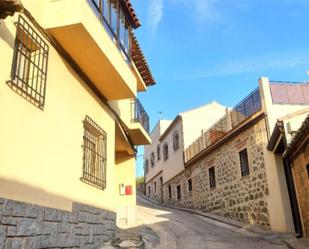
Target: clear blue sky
204 50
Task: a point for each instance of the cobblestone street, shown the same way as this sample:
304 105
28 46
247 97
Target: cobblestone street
164 228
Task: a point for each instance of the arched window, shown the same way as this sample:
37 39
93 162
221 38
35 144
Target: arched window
152 159
176 140
158 152
165 151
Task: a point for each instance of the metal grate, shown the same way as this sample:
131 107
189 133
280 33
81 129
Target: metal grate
29 67
247 107
138 114
94 160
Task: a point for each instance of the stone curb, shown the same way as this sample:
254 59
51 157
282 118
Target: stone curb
288 239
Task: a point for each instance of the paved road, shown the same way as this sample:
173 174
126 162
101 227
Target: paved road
164 228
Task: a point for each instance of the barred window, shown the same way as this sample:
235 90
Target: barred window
244 163
169 191
190 185
176 140
94 160
178 191
152 159
158 152
146 166
165 151
212 177
29 67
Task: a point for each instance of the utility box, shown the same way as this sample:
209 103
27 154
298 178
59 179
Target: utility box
128 190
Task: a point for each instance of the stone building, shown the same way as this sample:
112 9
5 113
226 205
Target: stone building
70 72
230 172
298 154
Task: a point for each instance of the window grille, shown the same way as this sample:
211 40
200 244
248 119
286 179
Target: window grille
244 163
152 159
169 191
146 166
176 140
29 67
158 152
212 177
190 185
178 192
94 160
165 151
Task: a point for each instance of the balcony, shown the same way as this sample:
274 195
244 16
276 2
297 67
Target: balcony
94 45
135 118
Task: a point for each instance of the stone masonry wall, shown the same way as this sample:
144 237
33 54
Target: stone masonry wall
27 226
240 198
154 195
301 181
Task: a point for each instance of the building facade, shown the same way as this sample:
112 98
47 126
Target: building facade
70 120
164 157
298 154
229 171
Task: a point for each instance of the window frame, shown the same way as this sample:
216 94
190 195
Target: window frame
178 193
152 159
243 172
94 154
212 177
158 152
170 191
155 186
190 185
146 165
176 139
165 151
30 64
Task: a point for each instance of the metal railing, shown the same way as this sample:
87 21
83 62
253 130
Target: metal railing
247 107
138 114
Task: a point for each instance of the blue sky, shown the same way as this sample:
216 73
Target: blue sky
204 50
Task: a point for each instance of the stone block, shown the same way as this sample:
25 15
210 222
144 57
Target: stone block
52 214
11 231
14 243
31 243
32 211
2 236
7 220
84 217
27 227
45 242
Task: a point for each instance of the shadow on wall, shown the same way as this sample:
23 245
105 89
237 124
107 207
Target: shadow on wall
6 35
12 189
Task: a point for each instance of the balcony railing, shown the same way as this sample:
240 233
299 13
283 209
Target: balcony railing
138 114
245 109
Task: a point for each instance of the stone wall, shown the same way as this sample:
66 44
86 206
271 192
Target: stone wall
301 181
154 195
240 198
27 226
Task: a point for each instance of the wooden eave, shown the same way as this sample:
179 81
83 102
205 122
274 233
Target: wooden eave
130 13
141 63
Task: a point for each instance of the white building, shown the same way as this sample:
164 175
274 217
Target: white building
169 141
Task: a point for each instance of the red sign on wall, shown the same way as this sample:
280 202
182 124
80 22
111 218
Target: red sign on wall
129 190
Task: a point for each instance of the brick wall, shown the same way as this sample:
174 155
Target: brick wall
24 225
240 198
301 181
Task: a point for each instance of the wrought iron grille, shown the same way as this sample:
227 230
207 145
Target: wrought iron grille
94 160
29 67
138 114
247 107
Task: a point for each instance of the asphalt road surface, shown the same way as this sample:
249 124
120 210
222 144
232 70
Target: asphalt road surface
164 228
